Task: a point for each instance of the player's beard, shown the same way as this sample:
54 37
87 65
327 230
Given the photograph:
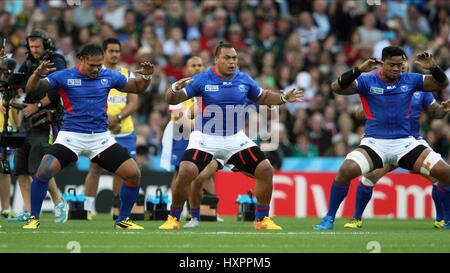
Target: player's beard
93 75
394 77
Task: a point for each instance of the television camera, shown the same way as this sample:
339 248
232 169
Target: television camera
10 84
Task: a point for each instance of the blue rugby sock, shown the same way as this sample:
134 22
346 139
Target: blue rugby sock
128 195
338 193
435 194
444 196
195 213
37 194
261 212
363 196
176 212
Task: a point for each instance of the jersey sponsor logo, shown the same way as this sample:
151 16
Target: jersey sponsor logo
390 87
211 88
376 90
227 83
74 82
104 82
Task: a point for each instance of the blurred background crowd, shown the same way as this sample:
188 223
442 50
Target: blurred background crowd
281 43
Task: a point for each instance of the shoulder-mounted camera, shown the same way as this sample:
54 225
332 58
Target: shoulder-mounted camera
11 82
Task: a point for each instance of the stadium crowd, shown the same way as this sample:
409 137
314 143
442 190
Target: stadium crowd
284 44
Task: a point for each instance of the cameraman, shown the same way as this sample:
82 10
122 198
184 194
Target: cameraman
42 117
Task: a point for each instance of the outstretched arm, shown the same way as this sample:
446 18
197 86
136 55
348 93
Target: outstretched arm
438 80
175 93
140 84
345 84
35 82
350 90
446 105
436 111
268 97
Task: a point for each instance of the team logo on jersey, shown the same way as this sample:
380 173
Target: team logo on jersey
243 143
73 82
416 95
404 88
376 90
241 88
211 88
104 82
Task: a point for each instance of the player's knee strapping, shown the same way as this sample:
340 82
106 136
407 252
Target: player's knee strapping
359 158
200 158
247 160
429 162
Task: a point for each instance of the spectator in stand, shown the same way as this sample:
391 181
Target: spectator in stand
114 14
247 21
369 34
130 29
307 30
84 15
175 14
303 147
159 24
321 19
235 37
191 25
67 26
346 134
318 135
176 44
416 22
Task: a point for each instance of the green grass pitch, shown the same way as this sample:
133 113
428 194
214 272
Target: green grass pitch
230 236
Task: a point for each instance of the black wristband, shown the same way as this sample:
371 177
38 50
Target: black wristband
348 77
438 74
